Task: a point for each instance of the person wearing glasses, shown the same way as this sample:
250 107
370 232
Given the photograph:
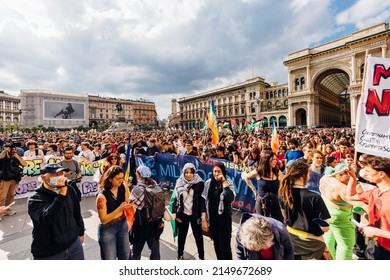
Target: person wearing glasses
111 202
74 168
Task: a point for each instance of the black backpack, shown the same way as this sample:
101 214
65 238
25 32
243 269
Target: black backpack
154 203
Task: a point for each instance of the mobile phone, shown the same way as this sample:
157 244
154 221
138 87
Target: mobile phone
356 223
10 204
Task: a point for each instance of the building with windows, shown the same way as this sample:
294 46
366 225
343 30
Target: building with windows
53 109
325 82
9 110
104 110
253 98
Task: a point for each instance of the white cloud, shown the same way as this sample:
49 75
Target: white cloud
365 13
160 49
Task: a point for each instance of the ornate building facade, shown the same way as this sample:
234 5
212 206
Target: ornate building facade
9 110
253 98
325 82
103 110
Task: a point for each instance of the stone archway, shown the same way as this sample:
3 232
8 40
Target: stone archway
333 98
301 117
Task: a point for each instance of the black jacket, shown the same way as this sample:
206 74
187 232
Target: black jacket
10 169
56 219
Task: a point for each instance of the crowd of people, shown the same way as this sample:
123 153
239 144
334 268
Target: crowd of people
306 194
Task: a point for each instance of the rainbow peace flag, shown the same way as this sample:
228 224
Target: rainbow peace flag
275 139
212 123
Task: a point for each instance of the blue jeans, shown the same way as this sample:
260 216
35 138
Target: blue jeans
74 252
114 241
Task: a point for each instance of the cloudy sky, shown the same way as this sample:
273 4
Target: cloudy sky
164 49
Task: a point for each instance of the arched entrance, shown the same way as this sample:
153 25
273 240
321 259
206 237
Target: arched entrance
265 122
282 121
332 89
273 121
301 117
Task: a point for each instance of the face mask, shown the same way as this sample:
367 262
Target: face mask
53 181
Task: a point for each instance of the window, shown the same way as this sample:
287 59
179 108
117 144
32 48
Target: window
302 83
286 103
296 84
362 71
269 105
253 108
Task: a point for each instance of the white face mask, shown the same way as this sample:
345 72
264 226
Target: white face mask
53 181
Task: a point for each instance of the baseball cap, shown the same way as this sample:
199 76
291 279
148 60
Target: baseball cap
53 168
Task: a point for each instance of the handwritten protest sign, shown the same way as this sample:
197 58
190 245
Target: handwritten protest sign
373 120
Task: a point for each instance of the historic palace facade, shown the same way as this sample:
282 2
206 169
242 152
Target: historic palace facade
325 82
253 98
9 110
323 88
103 110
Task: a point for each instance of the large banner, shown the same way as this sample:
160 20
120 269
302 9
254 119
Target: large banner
373 121
166 169
88 186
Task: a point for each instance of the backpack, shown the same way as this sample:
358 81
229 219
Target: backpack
154 203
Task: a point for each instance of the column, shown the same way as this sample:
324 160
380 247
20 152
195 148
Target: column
310 117
354 106
308 77
291 119
353 78
384 49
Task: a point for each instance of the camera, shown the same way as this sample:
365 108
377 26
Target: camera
72 181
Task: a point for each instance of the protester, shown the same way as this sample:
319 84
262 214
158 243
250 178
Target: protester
219 194
111 202
340 238
304 212
58 228
10 176
33 151
144 231
268 177
186 202
377 171
262 238
74 169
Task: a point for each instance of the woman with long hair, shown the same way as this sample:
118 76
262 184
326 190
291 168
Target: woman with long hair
111 202
304 211
218 195
268 177
186 203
